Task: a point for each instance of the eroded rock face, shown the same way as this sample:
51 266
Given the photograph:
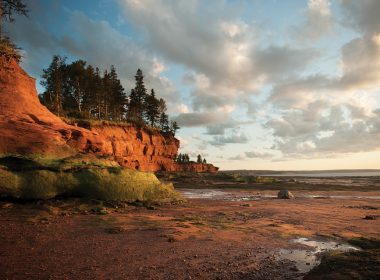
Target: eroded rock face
138 149
28 127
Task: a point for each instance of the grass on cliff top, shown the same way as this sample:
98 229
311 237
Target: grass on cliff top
26 178
89 123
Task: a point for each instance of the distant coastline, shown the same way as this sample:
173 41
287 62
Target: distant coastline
313 173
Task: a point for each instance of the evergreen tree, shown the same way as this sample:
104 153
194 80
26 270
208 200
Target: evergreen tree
174 127
106 100
136 104
79 90
164 123
76 84
94 97
152 108
53 81
7 10
204 161
199 159
117 96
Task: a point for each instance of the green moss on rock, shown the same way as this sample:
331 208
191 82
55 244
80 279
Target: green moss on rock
45 178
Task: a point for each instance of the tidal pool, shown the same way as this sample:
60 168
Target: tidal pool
230 195
305 260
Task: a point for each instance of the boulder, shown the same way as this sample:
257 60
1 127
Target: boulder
285 194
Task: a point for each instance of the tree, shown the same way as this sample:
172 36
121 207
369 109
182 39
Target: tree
152 108
9 7
117 96
79 90
199 159
7 10
136 101
164 122
174 127
204 161
77 82
52 80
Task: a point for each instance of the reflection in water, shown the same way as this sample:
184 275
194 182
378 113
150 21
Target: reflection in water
305 260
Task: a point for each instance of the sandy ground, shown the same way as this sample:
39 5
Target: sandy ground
199 239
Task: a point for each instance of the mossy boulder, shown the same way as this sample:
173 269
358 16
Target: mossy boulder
45 178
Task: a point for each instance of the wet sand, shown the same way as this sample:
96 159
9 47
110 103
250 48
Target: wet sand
199 239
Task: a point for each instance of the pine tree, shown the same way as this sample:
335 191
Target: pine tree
136 105
76 83
204 161
94 99
117 96
53 81
174 127
164 123
199 159
152 111
7 10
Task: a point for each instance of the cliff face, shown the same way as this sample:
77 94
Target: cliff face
27 127
138 149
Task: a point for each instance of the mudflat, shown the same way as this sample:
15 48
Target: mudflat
202 238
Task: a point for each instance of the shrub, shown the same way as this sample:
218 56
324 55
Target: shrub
9 50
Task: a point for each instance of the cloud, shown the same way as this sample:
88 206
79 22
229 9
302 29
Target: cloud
197 119
237 157
362 15
233 137
220 129
261 155
330 132
318 21
221 51
277 60
124 53
92 42
329 115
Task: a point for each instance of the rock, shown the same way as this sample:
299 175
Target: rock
27 127
285 194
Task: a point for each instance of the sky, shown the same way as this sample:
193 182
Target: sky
254 84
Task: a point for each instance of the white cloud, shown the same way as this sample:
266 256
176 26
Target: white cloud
258 154
221 51
319 21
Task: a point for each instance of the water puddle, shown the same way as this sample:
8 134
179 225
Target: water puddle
305 260
214 194
340 196
223 195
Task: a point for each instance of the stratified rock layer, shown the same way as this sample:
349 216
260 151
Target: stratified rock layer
27 127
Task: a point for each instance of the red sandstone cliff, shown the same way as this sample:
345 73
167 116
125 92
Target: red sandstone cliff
27 127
